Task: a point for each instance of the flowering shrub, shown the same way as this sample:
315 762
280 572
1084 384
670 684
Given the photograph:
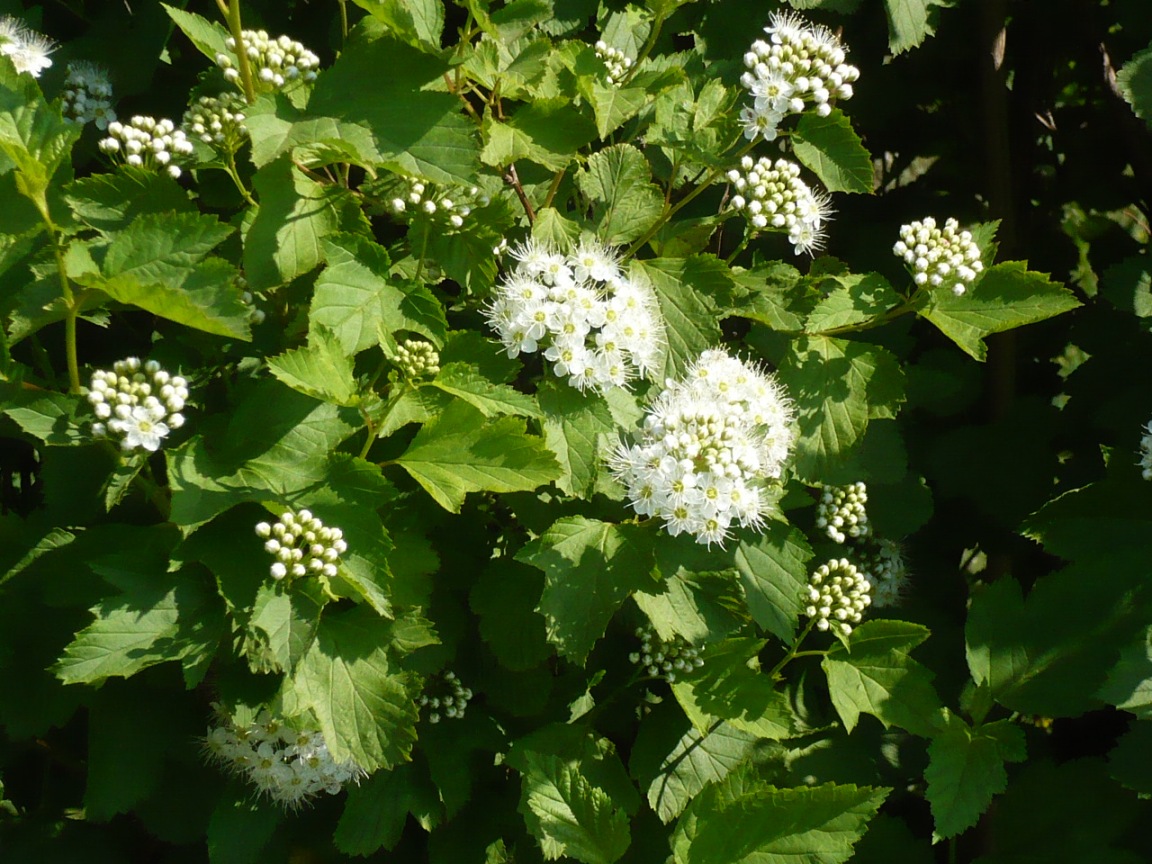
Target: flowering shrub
472 411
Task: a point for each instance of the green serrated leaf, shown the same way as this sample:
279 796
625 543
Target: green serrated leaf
1129 683
832 149
416 128
462 452
355 297
322 369
627 202
743 820
590 568
465 381
363 705
774 574
504 598
418 22
1005 297
172 619
1130 761
966 770
547 132
574 424
1134 81
108 202
288 620
875 675
858 298
54 418
209 37
690 292
376 810
909 23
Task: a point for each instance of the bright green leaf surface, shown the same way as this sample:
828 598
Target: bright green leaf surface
322 369
773 573
492 399
743 820
627 203
574 425
590 568
832 149
460 453
1007 296
363 704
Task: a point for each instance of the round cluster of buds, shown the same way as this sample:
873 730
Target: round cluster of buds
218 121
301 545
139 403
418 199
27 49
662 659
707 448
416 358
290 766
837 595
939 256
1146 452
87 95
448 699
617 61
841 512
255 314
882 564
149 143
598 327
774 198
275 61
800 66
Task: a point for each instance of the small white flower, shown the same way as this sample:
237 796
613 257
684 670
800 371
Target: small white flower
841 513
775 188
123 396
218 121
617 61
300 544
87 95
148 143
837 595
882 564
27 49
274 60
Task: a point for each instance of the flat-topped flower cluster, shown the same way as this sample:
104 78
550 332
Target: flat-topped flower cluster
136 403
707 448
597 326
800 66
276 61
837 595
146 142
774 198
87 95
288 765
302 544
938 256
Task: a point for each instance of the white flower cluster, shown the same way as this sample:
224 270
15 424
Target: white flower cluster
149 143
837 595
882 564
416 358
617 61
218 121
841 512
801 64
289 766
87 95
662 659
137 402
937 256
1146 452
598 327
275 61
425 199
707 448
775 198
27 49
449 699
301 545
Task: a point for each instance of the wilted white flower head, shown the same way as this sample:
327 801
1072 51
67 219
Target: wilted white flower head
837 595
444 697
148 143
137 403
447 206
841 512
1146 452
218 121
275 61
416 358
707 449
883 565
598 327
617 61
664 659
290 766
939 256
87 95
301 545
800 66
27 49
774 198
